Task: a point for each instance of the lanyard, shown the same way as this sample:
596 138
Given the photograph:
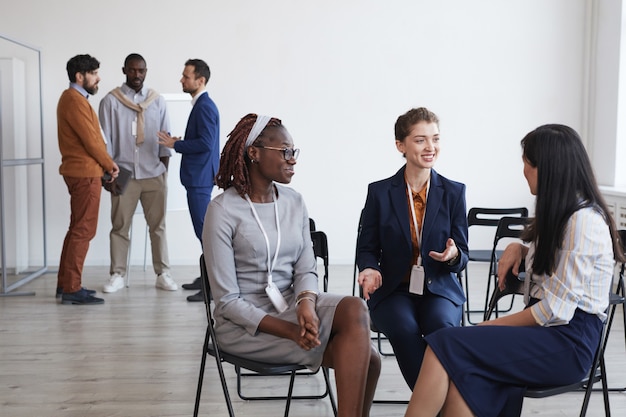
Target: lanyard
270 264
418 231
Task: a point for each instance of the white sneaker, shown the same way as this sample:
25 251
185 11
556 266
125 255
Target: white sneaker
164 281
116 282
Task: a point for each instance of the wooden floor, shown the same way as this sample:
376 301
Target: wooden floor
139 354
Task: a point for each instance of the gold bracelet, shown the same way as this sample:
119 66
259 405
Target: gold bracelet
311 299
302 293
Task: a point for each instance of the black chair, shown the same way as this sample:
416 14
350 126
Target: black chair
211 347
378 336
621 288
508 228
515 285
620 291
320 249
481 218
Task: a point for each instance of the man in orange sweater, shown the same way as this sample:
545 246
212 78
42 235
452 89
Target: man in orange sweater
84 159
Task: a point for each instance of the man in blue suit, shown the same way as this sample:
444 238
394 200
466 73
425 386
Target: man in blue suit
200 149
413 242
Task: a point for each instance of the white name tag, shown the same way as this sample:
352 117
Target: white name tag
133 128
416 285
276 297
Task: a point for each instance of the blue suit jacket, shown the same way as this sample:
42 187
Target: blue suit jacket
200 148
385 239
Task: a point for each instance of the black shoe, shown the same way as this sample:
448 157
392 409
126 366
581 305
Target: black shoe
199 296
60 291
195 285
80 297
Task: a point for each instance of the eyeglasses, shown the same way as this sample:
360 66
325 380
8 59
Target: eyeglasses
288 153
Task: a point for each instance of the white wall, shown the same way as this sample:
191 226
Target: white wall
338 73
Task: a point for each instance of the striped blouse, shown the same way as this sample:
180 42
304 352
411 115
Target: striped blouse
583 273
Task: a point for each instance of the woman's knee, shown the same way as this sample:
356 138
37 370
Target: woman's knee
352 311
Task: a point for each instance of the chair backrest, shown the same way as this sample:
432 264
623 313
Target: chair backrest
320 249
206 287
480 216
514 285
507 228
206 292
489 217
355 269
311 224
622 239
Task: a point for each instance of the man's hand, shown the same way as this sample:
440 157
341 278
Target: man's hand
166 140
115 171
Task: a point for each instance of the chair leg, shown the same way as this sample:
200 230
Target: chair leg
468 310
220 369
605 389
201 376
329 390
130 249
379 339
290 392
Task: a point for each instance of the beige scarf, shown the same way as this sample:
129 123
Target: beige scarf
138 107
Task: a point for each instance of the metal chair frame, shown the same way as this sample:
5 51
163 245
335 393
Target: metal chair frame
211 347
508 228
485 217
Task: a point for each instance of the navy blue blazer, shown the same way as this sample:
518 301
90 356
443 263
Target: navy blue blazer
385 239
200 148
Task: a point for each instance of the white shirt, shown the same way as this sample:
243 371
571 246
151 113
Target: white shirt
582 275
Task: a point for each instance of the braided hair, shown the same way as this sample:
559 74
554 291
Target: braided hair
234 161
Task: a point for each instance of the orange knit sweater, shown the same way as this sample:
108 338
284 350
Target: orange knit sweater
83 151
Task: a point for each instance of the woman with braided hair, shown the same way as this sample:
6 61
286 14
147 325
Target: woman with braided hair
263 272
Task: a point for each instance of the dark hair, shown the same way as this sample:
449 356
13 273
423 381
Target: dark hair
565 184
409 119
82 64
133 57
233 170
201 69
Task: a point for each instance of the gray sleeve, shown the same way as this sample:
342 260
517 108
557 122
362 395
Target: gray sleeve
218 233
305 268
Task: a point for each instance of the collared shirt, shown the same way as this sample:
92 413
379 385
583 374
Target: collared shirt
197 96
80 89
419 203
582 275
117 122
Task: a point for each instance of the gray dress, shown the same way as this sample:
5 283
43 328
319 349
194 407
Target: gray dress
236 255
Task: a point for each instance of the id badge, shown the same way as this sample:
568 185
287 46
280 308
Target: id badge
416 285
133 128
276 297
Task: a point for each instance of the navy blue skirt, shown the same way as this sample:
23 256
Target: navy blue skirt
492 366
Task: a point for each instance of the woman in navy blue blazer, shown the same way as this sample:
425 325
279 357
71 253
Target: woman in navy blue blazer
413 242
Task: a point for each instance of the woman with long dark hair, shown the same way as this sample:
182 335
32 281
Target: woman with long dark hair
570 258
